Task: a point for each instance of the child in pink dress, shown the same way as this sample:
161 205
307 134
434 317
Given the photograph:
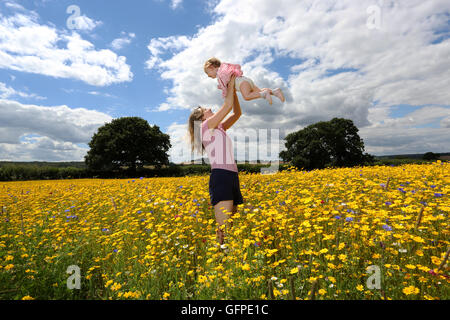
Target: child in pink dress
223 72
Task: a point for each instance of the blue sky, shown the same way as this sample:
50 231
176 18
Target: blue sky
386 68
146 19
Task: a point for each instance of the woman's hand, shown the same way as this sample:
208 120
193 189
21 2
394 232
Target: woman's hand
231 84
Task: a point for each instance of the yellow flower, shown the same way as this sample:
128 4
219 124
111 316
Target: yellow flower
325 250
435 260
166 295
27 298
116 286
410 290
322 292
410 266
294 270
108 283
359 287
9 267
246 267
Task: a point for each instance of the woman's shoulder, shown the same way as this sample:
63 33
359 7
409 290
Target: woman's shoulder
205 125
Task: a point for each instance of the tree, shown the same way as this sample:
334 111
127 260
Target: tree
430 156
327 143
130 142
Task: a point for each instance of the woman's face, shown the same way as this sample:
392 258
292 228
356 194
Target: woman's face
207 113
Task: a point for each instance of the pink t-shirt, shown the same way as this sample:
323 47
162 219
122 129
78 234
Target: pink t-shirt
219 147
224 73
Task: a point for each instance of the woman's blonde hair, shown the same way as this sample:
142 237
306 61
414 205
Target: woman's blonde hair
194 128
213 62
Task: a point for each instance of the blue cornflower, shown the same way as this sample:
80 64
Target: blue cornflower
386 227
337 217
349 219
438 194
388 203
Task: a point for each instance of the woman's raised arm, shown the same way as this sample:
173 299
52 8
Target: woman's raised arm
236 114
217 118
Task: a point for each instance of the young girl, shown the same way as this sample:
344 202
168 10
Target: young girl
223 71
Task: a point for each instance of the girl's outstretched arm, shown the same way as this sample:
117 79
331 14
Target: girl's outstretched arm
217 118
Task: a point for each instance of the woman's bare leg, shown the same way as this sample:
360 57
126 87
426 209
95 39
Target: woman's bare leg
222 216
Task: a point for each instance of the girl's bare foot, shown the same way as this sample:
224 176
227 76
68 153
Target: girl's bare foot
279 94
266 94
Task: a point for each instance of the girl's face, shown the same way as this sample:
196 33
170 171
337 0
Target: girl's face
211 72
207 113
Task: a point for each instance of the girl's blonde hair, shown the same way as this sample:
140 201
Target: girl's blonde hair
194 128
213 62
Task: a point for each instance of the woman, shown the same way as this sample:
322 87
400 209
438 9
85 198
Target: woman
224 188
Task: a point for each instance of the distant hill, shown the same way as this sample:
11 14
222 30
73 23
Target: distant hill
411 156
82 165
75 164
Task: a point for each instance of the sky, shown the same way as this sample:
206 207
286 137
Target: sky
69 67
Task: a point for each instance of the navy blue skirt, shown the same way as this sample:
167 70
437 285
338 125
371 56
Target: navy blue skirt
224 185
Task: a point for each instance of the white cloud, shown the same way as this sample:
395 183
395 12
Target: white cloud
344 69
59 130
121 42
7 92
84 23
14 5
96 93
27 46
176 4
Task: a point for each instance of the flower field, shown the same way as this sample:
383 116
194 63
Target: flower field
352 233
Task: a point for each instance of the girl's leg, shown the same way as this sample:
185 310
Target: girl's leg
221 217
249 93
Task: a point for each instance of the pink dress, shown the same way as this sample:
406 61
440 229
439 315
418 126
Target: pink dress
226 70
219 147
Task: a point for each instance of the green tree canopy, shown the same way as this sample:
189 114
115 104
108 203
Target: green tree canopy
431 156
327 143
130 142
